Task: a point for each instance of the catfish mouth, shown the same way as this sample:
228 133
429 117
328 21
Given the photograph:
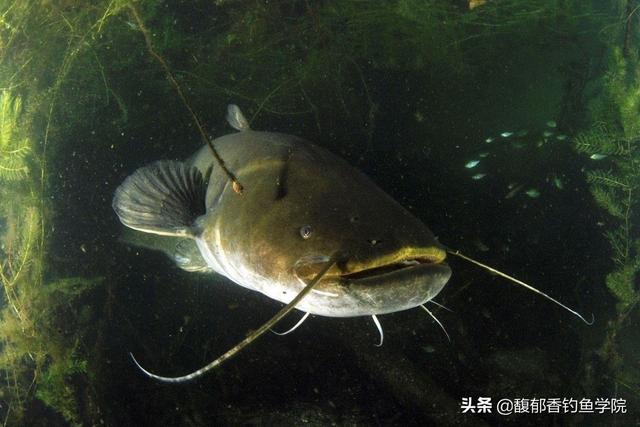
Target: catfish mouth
399 263
382 270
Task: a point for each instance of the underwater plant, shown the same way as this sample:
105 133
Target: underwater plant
41 327
615 188
613 143
41 351
14 147
45 317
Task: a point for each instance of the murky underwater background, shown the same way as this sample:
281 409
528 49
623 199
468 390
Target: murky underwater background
510 127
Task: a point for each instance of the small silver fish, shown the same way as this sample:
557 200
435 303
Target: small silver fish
558 183
552 123
533 193
597 156
471 164
561 137
547 133
488 140
506 134
478 176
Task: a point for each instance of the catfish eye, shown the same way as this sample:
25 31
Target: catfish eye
305 231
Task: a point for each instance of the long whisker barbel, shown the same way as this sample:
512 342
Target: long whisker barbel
251 337
521 283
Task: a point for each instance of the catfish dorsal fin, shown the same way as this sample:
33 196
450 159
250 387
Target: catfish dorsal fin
163 198
236 119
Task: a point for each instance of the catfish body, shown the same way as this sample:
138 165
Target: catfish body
300 206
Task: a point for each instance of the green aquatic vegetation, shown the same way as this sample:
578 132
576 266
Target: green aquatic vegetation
615 185
44 322
615 189
14 148
63 358
622 81
42 353
40 333
601 140
17 327
54 387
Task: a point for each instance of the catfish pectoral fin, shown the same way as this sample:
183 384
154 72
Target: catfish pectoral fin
163 198
188 257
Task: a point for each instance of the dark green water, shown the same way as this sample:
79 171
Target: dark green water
408 92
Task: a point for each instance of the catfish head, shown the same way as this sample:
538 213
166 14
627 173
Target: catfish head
304 206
